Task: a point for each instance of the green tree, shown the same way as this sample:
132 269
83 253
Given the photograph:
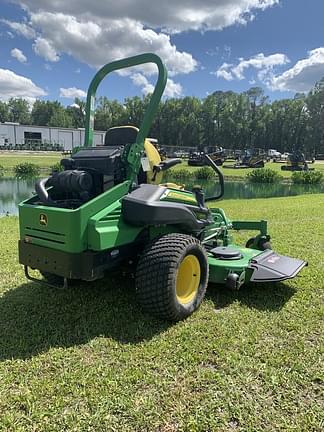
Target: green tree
77 113
4 112
109 114
19 111
61 118
257 100
43 111
314 109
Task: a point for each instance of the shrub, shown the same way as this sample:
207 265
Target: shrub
57 167
1 171
307 177
26 170
180 173
204 173
263 175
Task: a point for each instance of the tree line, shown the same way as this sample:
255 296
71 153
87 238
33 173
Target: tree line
226 119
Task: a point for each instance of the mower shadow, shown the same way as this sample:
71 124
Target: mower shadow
35 318
264 297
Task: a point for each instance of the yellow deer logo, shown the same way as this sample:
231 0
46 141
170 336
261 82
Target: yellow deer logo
43 219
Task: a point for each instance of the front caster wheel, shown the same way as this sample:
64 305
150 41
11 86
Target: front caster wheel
172 276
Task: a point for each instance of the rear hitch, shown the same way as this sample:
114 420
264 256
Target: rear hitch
44 282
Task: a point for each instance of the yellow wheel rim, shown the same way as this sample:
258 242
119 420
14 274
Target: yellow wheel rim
188 279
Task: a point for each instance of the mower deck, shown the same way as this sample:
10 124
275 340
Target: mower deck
253 265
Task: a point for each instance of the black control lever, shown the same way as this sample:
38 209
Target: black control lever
164 165
200 196
220 175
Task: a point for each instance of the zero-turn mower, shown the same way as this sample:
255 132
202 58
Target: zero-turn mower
251 158
297 162
108 209
197 158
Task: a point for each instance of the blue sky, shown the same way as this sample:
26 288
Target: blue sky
51 50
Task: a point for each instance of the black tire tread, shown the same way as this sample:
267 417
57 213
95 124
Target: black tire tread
155 275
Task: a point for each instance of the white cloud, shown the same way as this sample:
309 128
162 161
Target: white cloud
110 30
45 49
175 16
141 81
172 89
18 86
213 52
121 29
264 65
299 78
227 51
21 28
72 92
87 41
224 72
303 75
18 55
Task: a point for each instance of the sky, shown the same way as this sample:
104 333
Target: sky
50 49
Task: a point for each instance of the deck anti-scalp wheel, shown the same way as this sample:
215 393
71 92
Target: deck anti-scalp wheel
262 244
172 276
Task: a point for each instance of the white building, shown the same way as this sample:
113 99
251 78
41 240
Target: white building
15 135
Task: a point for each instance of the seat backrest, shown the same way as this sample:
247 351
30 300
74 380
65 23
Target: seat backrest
154 158
121 135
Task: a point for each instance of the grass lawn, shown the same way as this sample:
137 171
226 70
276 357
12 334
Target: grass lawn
241 173
45 159
88 359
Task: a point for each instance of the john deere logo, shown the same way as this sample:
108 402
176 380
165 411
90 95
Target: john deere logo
43 219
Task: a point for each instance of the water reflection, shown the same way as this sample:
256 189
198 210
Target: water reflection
13 191
245 190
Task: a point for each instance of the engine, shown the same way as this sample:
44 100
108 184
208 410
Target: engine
87 174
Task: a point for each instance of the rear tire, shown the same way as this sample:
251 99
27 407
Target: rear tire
172 276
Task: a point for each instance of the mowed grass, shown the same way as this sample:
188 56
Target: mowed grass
240 173
44 160
88 359
47 159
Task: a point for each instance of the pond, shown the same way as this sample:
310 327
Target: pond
13 191
246 190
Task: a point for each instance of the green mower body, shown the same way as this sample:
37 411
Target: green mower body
105 211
